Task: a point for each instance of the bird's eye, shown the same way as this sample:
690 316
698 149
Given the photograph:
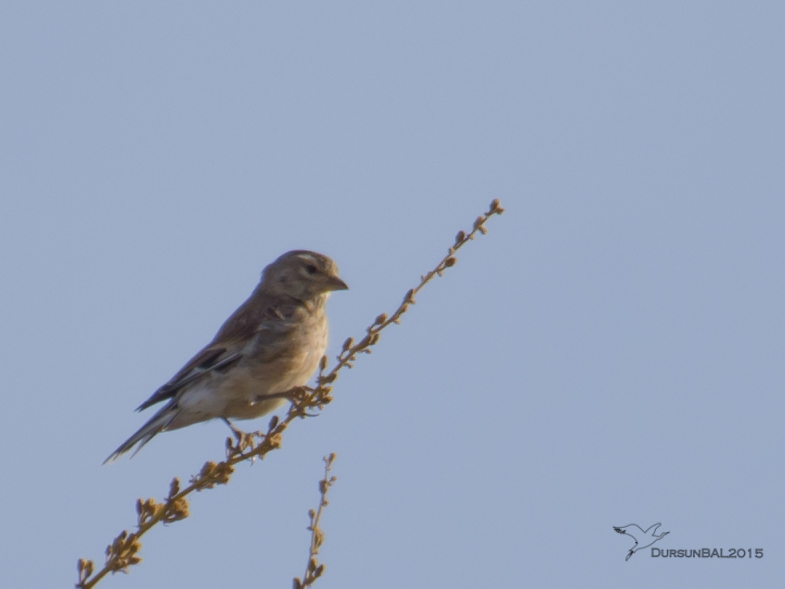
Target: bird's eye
311 269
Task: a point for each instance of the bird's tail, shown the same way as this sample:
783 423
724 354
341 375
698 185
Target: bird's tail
157 423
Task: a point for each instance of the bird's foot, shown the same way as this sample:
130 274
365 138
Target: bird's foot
294 395
245 441
239 434
297 397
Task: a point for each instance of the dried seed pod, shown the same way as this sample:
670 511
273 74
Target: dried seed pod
174 488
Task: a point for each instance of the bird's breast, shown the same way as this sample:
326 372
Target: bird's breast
274 365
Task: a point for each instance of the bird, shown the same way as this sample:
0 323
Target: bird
271 344
648 536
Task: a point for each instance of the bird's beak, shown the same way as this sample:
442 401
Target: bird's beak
335 283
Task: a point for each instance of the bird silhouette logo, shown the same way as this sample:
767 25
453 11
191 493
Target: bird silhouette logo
643 539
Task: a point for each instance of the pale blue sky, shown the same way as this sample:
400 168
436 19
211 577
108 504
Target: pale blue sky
611 353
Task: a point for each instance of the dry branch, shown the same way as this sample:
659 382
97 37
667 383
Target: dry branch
123 552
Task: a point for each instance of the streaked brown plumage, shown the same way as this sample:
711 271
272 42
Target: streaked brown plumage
272 343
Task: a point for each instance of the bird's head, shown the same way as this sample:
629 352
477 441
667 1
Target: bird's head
303 275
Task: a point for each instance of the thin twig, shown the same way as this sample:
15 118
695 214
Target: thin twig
314 569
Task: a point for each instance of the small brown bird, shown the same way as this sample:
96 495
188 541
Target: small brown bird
271 344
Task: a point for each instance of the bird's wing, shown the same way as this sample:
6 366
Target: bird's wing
654 529
266 326
213 357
